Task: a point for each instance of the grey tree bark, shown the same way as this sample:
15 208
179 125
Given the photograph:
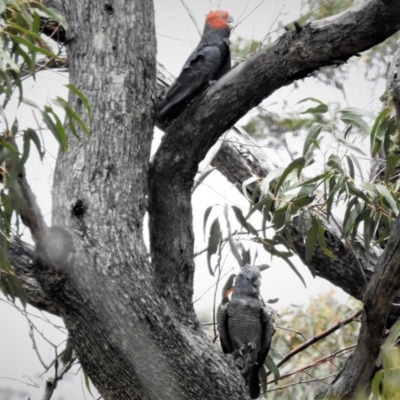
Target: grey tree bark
130 314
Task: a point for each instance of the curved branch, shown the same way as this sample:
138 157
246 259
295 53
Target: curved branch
295 55
22 258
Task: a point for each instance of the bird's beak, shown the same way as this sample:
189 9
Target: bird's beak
230 21
256 286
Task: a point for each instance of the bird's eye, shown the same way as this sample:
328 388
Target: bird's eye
248 278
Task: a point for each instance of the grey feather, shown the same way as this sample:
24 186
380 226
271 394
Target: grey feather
209 61
246 328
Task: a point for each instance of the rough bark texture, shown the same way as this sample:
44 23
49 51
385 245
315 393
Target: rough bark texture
122 330
131 319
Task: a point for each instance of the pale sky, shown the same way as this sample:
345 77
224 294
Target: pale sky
177 36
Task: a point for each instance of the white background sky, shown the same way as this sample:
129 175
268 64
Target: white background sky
177 37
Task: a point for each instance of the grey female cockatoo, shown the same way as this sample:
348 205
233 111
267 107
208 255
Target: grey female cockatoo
246 328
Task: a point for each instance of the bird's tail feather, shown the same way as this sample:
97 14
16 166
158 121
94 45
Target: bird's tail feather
254 385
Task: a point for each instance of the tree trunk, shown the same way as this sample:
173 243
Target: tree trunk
124 333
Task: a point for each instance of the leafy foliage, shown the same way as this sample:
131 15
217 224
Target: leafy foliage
337 184
303 376
386 382
21 45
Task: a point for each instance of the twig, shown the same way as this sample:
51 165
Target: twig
251 12
208 160
202 178
34 384
51 383
353 253
35 348
219 266
46 64
302 335
322 335
223 276
318 362
236 233
301 382
191 16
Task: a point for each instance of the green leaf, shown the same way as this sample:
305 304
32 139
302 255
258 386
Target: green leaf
30 103
265 183
263 378
311 99
311 239
240 217
234 249
320 109
336 163
213 242
294 269
56 128
355 120
350 215
313 134
296 164
72 116
33 136
246 256
350 146
351 167
10 284
32 47
270 364
266 218
376 383
205 218
392 337
36 23
53 14
357 164
369 229
382 115
86 380
81 96
7 145
356 111
383 191
321 241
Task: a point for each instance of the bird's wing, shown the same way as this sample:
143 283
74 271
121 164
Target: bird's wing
197 71
267 332
224 330
226 62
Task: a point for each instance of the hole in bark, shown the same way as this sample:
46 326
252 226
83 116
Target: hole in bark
79 209
114 48
109 9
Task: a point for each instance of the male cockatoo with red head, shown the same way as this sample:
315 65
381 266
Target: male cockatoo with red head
209 61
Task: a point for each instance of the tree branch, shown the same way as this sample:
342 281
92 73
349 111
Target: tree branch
187 140
22 258
381 293
319 337
30 212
